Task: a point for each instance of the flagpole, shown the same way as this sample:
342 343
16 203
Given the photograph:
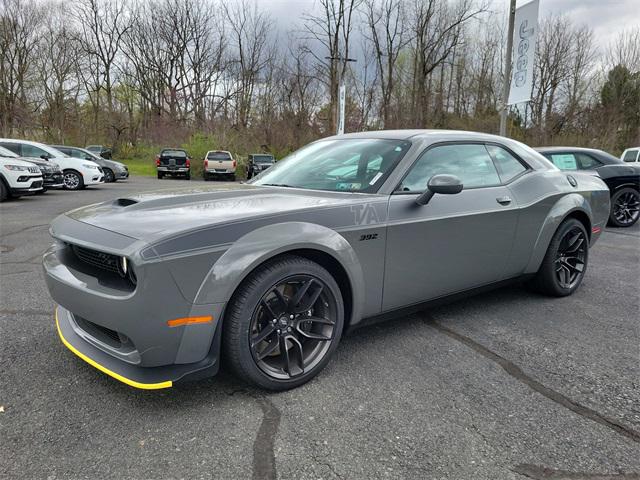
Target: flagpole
507 70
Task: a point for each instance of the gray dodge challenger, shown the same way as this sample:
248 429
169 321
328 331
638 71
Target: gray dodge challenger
265 277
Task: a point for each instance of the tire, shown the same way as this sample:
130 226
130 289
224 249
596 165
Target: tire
249 175
72 180
565 262
249 314
160 175
625 207
109 177
233 178
4 191
206 177
187 176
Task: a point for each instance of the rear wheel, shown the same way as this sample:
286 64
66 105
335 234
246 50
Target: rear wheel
283 323
187 176
565 262
233 177
160 175
73 180
625 208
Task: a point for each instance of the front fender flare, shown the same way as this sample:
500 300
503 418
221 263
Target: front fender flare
561 210
264 243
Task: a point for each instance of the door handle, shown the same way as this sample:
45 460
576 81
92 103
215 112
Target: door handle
503 200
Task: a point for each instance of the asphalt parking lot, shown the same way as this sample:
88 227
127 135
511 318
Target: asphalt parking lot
507 385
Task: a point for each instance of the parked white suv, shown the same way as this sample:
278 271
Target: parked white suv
631 155
77 172
18 177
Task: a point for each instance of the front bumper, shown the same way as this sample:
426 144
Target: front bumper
92 177
30 184
93 312
53 180
150 378
122 174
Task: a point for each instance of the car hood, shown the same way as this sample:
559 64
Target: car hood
153 215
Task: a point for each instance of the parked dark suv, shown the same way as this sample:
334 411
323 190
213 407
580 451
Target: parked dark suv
174 162
258 162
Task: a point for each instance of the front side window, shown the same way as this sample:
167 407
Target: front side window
32 151
13 147
564 161
508 166
350 164
470 163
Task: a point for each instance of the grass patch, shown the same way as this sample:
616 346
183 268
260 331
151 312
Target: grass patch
141 166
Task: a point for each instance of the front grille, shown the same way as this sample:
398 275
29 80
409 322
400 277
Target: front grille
105 261
34 169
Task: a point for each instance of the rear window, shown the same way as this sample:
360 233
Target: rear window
218 156
263 158
174 153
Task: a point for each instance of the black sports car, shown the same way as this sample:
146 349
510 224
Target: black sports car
622 178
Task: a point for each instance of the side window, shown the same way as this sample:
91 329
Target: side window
31 151
564 161
14 147
587 162
508 166
470 163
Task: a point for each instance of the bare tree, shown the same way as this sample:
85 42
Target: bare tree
332 30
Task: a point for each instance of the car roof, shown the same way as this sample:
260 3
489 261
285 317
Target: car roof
402 134
44 146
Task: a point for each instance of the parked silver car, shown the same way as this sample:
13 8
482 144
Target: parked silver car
113 171
156 288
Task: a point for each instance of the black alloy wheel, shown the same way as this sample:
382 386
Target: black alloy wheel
565 262
625 208
283 323
570 260
292 327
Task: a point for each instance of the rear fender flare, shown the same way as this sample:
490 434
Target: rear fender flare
561 210
258 246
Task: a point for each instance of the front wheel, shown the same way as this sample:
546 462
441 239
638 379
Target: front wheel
565 262
283 323
4 191
73 180
109 177
625 208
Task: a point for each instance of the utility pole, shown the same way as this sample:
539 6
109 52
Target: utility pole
507 70
341 91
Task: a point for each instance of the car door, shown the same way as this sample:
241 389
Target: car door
455 242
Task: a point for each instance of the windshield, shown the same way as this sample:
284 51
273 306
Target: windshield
352 165
263 158
5 153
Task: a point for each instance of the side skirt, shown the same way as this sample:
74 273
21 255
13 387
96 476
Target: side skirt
436 302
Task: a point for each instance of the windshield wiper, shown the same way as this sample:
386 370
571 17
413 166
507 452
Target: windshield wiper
277 185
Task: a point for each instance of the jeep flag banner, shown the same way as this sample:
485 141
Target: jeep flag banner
525 32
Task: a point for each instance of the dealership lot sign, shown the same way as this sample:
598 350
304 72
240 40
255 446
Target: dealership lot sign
524 41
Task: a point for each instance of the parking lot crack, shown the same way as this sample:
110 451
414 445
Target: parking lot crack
264 461
516 372
544 473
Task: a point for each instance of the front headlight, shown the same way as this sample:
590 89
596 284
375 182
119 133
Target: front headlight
92 167
17 168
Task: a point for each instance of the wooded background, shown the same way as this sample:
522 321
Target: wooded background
137 75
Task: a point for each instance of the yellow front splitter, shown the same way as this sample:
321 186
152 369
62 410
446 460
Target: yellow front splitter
103 369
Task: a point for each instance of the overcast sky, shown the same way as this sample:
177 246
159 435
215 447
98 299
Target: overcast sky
605 17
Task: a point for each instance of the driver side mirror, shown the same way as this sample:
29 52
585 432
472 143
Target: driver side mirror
442 184
44 156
